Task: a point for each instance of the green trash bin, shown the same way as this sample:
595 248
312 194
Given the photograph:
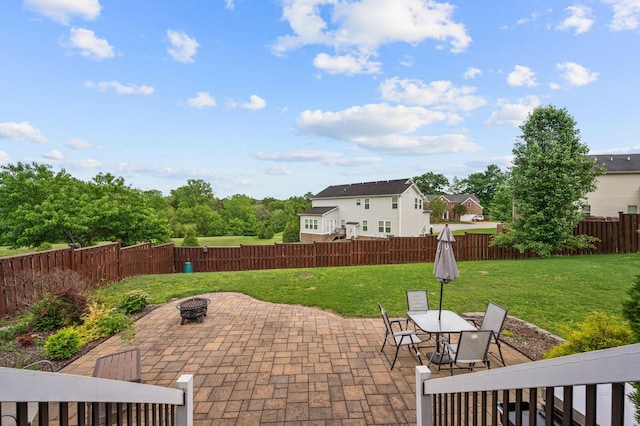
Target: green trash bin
188 268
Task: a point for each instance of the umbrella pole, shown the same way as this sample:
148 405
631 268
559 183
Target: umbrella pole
440 310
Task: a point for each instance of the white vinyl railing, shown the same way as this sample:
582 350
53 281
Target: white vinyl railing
20 387
615 366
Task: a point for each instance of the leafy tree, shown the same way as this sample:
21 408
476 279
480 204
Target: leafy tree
483 185
550 178
431 183
459 210
291 232
190 237
239 212
40 206
501 207
437 207
196 192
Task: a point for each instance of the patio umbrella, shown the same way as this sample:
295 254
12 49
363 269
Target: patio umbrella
445 268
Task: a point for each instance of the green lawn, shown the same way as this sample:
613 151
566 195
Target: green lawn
546 292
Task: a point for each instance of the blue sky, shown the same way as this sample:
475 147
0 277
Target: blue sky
283 97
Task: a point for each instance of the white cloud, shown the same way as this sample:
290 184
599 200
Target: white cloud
202 100
63 10
228 4
328 158
88 44
4 158
80 144
406 61
580 19
358 29
522 76
472 73
512 114
182 47
345 64
21 131
278 170
255 103
626 14
441 95
380 127
54 154
121 89
575 74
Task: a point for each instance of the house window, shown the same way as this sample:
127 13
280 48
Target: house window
632 209
586 209
365 225
468 204
384 226
315 223
366 204
342 223
394 202
306 224
417 203
357 201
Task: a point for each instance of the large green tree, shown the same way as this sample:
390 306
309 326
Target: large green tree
482 184
41 206
550 178
431 183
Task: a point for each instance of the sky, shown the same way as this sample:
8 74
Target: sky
278 98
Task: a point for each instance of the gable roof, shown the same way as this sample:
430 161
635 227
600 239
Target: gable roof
624 163
384 187
317 211
455 198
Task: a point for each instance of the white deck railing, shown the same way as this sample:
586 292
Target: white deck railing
20 387
615 366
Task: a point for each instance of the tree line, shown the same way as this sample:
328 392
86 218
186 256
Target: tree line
540 197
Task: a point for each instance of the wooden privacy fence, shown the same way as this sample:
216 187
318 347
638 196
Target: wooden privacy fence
105 264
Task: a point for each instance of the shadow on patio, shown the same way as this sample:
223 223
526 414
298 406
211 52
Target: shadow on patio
262 363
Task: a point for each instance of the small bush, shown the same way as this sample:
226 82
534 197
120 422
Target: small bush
64 344
133 302
631 308
100 322
190 237
59 309
597 331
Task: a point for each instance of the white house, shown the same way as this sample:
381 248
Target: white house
619 189
366 210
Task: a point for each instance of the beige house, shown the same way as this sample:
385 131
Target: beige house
365 210
618 190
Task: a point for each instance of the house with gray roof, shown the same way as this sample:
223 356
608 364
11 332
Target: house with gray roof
618 189
367 210
470 201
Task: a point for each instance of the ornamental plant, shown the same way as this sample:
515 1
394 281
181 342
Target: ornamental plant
64 344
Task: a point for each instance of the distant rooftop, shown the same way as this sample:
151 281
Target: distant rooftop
383 187
621 163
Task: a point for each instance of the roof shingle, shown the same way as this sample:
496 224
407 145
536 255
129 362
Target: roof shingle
385 187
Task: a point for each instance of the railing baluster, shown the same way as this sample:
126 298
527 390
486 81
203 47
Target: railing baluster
22 413
567 406
590 405
43 413
146 414
533 406
617 404
138 414
95 414
108 413
518 412
548 406
505 407
81 407
63 413
494 408
485 408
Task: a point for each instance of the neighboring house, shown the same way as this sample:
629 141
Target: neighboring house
618 190
365 210
470 201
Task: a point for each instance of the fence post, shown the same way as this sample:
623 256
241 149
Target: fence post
184 414
424 404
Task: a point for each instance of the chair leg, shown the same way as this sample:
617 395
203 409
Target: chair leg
395 357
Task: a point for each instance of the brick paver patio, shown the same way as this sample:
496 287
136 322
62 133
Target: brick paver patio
262 363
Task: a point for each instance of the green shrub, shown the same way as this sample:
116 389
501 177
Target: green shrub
100 322
59 309
133 302
64 344
631 308
597 331
190 237
291 232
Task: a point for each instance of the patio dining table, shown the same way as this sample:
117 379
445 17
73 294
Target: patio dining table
448 323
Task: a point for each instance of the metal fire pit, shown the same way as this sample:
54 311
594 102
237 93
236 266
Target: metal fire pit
193 309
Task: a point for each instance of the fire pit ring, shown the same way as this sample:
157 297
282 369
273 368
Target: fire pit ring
193 309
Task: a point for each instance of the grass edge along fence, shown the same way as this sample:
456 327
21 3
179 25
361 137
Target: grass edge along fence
109 263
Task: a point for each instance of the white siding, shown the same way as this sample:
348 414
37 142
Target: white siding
615 192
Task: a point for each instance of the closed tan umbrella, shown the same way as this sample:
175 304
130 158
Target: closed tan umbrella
445 268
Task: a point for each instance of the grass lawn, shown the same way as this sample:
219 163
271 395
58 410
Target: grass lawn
546 292
232 241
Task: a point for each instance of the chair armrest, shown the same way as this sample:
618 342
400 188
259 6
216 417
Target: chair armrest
398 321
